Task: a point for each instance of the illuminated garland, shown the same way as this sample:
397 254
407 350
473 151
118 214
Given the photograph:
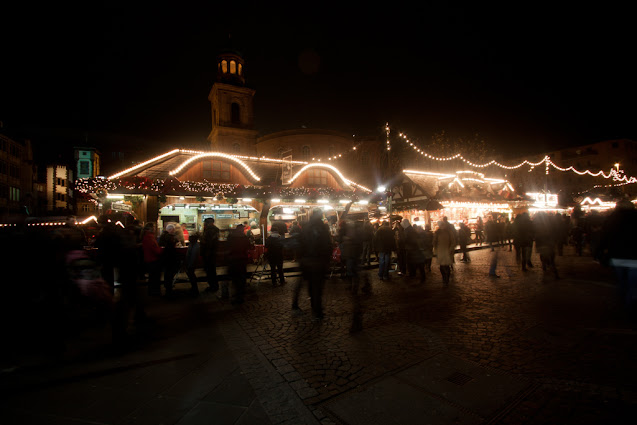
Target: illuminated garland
219 190
616 175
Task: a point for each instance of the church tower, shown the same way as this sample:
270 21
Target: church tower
232 108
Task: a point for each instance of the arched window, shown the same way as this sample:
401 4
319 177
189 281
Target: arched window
224 66
236 148
235 113
306 153
240 69
233 67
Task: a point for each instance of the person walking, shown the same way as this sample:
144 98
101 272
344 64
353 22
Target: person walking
479 231
315 251
464 235
274 255
443 244
209 246
523 239
385 244
413 251
367 237
427 240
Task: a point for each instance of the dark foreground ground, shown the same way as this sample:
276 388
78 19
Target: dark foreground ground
522 349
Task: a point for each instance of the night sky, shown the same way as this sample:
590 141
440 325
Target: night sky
526 80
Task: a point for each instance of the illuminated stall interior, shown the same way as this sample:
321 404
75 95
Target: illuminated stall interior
188 186
426 197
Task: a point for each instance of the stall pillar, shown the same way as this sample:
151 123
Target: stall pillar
151 205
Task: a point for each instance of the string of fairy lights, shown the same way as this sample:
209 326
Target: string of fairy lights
616 174
142 185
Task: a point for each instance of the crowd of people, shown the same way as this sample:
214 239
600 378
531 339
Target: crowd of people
62 274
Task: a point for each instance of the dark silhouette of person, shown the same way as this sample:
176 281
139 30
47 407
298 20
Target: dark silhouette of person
169 258
315 252
209 247
238 257
274 254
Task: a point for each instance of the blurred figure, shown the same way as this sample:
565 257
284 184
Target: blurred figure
479 231
353 236
274 255
238 258
491 228
209 246
545 241
444 244
427 240
399 235
413 250
385 244
106 243
185 233
179 234
619 250
523 235
367 237
192 259
464 236
152 258
169 259
316 249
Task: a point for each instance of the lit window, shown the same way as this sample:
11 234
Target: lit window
316 177
220 170
233 67
240 69
224 66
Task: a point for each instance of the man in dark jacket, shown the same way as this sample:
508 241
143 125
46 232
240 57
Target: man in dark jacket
464 235
413 250
385 244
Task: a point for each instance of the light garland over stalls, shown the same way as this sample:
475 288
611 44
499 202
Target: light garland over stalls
616 175
213 155
193 152
344 180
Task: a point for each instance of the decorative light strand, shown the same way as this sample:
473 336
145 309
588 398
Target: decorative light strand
615 174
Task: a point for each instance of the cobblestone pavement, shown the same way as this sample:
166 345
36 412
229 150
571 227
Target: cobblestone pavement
570 339
568 335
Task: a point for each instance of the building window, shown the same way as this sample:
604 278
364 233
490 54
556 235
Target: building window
240 69
306 153
236 148
224 66
14 194
233 67
60 182
235 116
3 167
84 167
207 169
220 170
316 177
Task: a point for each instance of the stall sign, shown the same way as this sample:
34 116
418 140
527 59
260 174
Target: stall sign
225 216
